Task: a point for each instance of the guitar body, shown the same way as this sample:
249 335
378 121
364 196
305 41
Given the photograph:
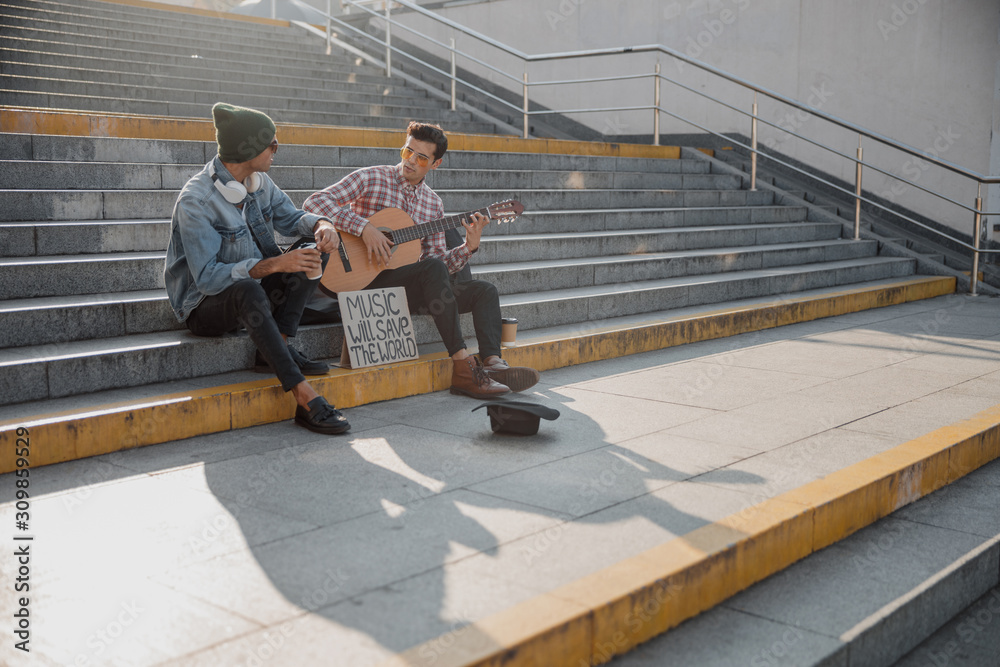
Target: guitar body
357 272
349 270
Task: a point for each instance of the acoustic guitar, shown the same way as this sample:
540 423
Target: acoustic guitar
349 269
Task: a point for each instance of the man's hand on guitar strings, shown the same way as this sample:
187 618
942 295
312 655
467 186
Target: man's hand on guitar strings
378 245
474 230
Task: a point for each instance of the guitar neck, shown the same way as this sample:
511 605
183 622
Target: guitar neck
415 232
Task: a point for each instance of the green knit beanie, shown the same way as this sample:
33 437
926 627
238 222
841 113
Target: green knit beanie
242 133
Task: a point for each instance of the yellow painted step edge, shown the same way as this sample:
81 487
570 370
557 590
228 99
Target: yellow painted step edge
21 120
77 434
180 9
609 612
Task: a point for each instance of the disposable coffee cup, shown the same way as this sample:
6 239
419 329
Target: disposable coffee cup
316 275
508 331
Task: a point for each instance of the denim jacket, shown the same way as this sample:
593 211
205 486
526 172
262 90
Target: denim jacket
210 244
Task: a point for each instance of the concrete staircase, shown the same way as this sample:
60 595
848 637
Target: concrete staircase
915 588
83 247
934 253
613 240
104 57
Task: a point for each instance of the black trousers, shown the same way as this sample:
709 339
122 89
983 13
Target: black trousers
267 310
430 291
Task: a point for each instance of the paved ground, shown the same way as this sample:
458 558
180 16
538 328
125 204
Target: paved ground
275 546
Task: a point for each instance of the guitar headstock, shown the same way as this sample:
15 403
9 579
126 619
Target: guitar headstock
505 211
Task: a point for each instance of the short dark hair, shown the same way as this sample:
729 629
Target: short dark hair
431 134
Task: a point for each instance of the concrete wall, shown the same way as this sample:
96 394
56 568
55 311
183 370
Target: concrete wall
914 70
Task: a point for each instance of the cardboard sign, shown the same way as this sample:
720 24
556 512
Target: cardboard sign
377 327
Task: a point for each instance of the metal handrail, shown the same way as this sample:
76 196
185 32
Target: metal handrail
657 109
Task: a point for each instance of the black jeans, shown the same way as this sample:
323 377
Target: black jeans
267 309
430 291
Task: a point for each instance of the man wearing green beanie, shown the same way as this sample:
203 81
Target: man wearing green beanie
224 269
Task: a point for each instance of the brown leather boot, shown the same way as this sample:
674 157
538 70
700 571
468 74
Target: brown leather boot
468 377
518 378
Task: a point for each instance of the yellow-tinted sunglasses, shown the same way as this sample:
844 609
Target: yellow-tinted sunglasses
406 152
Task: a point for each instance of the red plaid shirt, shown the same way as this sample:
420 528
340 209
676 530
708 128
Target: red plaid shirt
362 193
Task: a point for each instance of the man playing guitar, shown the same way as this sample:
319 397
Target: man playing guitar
429 286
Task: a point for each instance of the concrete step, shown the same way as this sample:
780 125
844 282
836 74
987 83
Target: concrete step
97 15
627 271
101 12
30 76
42 147
51 175
28 52
884 590
308 60
541 246
91 175
64 318
590 304
964 641
356 116
75 367
33 238
266 42
44 205
58 148
644 218
277 96
575 180
30 239
543 200
129 27
61 317
513 160
23 278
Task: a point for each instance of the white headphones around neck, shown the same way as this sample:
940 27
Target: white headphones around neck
234 191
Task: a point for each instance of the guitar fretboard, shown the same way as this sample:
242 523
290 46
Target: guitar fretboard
414 232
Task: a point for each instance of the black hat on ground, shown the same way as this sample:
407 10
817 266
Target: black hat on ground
518 417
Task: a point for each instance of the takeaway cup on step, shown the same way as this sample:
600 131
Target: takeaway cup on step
508 331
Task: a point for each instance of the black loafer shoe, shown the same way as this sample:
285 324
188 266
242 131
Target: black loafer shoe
307 365
321 417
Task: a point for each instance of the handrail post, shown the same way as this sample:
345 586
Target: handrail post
857 192
656 105
454 70
329 26
977 229
525 135
753 143
388 39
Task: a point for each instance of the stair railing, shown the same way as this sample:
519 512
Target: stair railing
656 108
